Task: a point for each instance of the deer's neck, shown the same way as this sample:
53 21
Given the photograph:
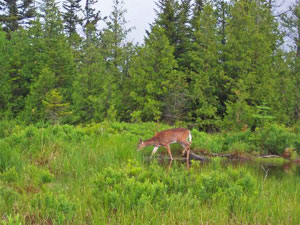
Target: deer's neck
151 141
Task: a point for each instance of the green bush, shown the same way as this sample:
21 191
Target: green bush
274 138
209 142
56 208
38 176
133 186
233 139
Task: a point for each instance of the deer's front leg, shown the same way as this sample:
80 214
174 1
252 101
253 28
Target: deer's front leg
153 152
169 151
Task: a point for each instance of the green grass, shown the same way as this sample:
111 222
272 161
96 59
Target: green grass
93 175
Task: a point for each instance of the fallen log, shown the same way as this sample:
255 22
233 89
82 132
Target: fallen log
270 156
197 157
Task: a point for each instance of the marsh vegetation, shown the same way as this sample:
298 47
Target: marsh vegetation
66 174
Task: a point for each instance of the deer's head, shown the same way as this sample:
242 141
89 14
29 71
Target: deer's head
141 145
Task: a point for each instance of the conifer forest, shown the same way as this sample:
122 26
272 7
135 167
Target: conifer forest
211 64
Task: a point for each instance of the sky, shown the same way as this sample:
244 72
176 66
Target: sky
140 13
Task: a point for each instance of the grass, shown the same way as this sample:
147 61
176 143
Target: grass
93 175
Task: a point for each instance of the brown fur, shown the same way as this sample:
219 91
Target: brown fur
167 137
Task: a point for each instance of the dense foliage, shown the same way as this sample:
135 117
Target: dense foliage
210 64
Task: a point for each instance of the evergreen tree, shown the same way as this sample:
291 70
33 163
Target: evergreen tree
174 17
206 74
252 40
15 13
89 100
72 19
154 79
5 81
116 51
197 9
20 70
90 19
291 22
113 38
222 10
55 108
52 60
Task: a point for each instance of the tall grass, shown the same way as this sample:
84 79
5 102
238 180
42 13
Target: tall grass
93 175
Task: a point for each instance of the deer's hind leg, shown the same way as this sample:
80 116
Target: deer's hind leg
186 147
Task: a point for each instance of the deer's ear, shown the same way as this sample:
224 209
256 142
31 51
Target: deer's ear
141 140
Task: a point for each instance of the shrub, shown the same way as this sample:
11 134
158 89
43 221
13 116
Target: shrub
208 142
56 208
274 138
37 176
233 140
133 186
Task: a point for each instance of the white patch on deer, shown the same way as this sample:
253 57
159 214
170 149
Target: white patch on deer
190 137
154 150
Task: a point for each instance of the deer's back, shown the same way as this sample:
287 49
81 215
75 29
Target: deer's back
171 136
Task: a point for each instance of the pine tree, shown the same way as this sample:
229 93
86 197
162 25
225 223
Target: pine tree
155 82
206 74
55 108
116 51
90 19
16 13
174 17
5 82
291 22
89 100
52 61
222 10
72 19
252 39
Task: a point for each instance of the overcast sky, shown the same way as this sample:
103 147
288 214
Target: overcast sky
140 13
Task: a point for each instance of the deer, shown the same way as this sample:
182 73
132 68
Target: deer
167 137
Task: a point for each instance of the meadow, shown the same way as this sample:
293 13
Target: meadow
92 174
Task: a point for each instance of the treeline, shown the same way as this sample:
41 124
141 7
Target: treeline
211 64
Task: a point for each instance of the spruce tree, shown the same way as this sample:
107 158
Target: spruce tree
252 39
88 97
206 75
116 51
174 17
291 22
52 61
5 81
90 19
14 13
155 83
72 19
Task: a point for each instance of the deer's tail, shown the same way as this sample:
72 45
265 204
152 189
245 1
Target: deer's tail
190 137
